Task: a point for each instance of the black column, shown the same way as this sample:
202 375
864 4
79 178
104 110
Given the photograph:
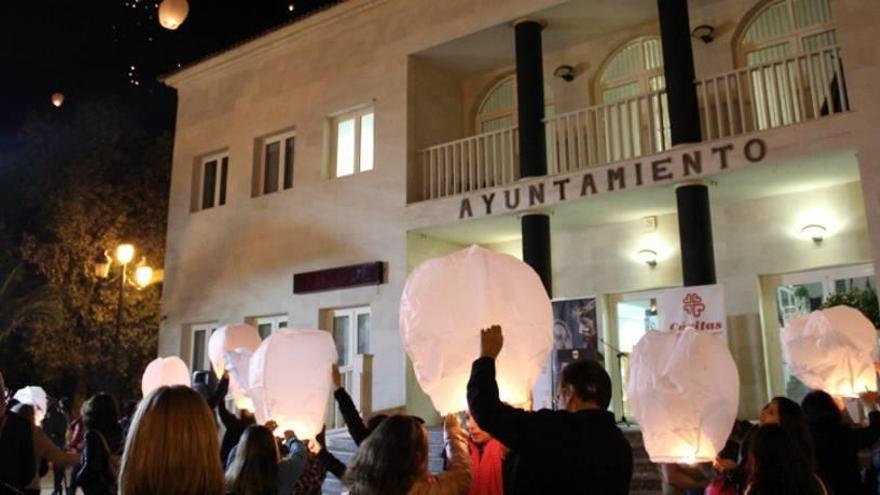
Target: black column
695 234
532 143
678 70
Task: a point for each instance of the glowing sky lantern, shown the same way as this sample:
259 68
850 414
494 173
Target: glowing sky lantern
36 397
57 99
290 380
172 13
164 372
684 391
445 303
832 350
230 348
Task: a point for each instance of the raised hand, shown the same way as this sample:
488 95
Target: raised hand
491 341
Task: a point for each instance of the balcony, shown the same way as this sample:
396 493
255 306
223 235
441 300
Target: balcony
776 94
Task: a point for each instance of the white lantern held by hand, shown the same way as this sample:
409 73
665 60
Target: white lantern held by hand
35 397
683 388
290 380
165 372
230 349
445 304
832 350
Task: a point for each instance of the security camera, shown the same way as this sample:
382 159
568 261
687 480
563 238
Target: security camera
564 72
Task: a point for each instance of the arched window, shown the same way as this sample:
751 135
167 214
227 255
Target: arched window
634 69
498 109
784 28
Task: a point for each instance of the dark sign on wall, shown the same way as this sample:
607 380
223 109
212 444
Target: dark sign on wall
344 277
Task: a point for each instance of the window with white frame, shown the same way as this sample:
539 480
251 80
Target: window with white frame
634 69
351 146
783 28
210 190
199 359
498 110
266 325
351 332
276 163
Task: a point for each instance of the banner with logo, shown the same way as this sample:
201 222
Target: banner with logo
701 308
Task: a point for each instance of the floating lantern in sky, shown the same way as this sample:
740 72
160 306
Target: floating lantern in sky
684 391
57 99
230 348
832 350
172 13
36 397
164 372
445 304
290 380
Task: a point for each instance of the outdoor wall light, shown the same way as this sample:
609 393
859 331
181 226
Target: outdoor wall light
704 32
648 256
564 72
815 232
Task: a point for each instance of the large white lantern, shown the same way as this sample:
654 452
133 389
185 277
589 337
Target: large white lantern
290 380
684 392
36 397
230 348
832 350
445 303
172 13
163 372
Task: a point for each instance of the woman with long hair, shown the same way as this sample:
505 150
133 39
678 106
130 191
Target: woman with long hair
838 444
172 446
393 460
45 449
102 446
777 466
258 468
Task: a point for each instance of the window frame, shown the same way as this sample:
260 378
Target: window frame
221 189
481 118
794 37
276 322
280 138
195 328
352 341
335 120
642 78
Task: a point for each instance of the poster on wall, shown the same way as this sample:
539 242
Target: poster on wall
700 307
575 338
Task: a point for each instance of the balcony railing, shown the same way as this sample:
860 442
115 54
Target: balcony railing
776 94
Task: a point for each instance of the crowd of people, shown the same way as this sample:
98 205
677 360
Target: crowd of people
171 444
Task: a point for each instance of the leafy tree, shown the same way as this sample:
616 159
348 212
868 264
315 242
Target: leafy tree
862 300
22 308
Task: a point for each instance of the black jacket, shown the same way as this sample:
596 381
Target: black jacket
95 476
17 463
551 451
356 428
837 449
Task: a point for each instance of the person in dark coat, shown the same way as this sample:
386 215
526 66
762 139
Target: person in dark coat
103 446
578 449
17 460
234 425
836 444
55 426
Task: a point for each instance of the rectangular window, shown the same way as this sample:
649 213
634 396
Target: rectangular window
199 359
277 160
266 325
351 332
213 172
352 142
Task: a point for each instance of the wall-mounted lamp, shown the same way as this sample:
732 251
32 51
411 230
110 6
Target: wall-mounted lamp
564 72
704 32
815 232
648 256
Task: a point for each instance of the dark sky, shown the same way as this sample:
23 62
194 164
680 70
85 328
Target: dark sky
91 48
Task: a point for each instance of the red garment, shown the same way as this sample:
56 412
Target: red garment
487 470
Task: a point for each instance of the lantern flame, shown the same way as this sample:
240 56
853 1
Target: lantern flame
57 99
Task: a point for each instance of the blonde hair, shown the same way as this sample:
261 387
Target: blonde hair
172 447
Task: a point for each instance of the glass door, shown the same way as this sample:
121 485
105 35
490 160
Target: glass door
351 333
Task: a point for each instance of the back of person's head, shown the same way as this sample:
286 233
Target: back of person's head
101 414
64 404
172 446
589 380
391 459
777 465
819 407
26 411
255 466
375 421
794 422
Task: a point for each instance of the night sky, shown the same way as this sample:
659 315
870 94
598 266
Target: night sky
95 48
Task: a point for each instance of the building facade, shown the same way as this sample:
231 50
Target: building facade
388 131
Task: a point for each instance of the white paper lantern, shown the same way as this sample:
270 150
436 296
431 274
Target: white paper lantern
230 348
172 13
165 372
36 397
290 380
684 392
445 303
832 350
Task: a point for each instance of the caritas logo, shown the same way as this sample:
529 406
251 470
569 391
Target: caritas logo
693 306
